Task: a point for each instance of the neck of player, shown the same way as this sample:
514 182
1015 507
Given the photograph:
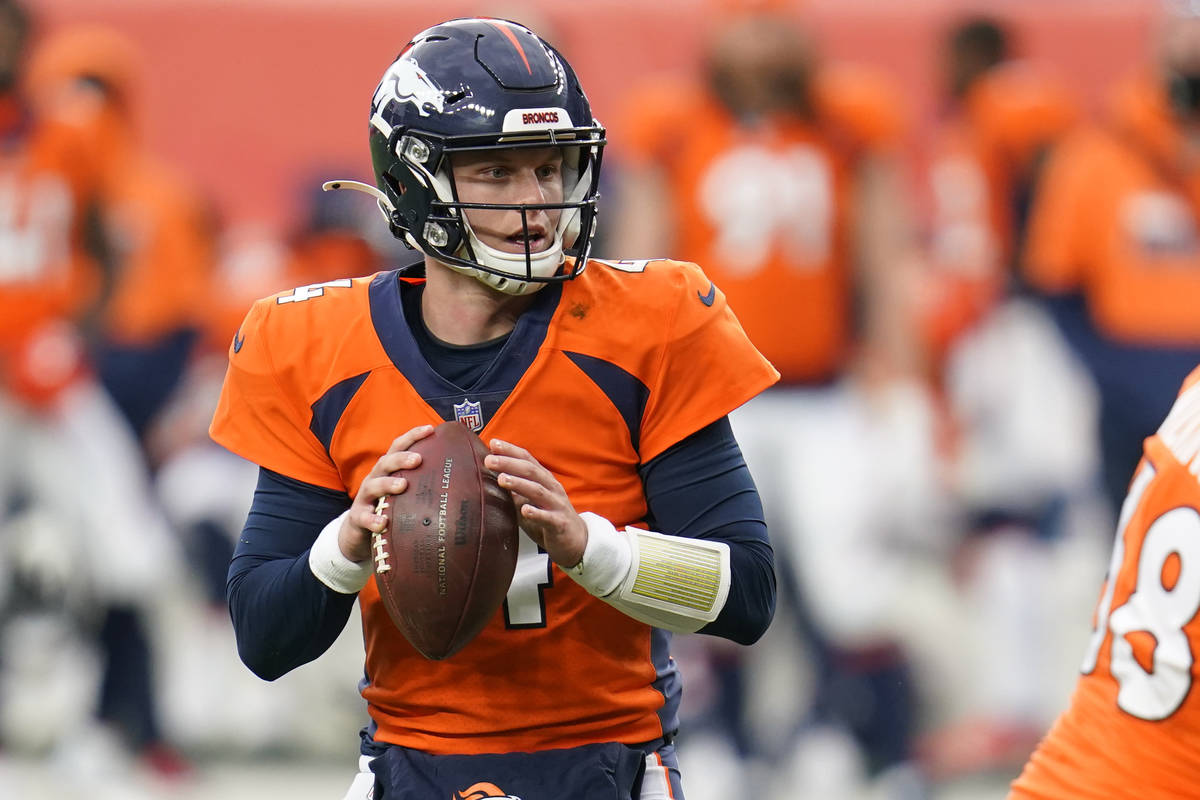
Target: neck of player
461 310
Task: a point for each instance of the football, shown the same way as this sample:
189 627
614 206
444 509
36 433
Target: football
444 562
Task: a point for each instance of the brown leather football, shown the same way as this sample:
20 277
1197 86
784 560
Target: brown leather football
445 560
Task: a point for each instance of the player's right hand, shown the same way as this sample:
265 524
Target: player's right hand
354 539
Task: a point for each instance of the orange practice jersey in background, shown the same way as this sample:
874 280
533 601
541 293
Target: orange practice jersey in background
766 208
602 374
1134 721
164 248
47 177
1116 218
987 154
154 224
48 279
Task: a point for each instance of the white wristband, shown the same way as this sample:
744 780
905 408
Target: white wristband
606 558
333 569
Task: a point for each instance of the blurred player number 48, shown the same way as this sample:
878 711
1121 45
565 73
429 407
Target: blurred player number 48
445 559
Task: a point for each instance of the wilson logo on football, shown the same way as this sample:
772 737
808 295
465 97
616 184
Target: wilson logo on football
483 791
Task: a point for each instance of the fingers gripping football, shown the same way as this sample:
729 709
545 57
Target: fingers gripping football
366 517
546 513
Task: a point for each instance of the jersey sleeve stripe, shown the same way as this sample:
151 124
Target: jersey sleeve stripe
328 409
628 394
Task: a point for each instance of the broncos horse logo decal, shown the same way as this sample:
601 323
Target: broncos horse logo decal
406 82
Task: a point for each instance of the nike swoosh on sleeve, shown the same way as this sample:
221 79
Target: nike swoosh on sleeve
708 299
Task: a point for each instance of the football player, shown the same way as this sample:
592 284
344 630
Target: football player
159 248
1132 725
56 421
1114 242
1019 456
602 389
778 169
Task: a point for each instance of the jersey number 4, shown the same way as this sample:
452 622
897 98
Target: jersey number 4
1165 598
302 293
525 603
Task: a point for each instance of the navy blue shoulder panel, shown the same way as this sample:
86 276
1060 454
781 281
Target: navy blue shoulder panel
387 315
329 407
623 389
494 386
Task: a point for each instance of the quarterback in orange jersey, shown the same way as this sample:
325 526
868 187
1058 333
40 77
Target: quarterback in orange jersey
601 389
1134 720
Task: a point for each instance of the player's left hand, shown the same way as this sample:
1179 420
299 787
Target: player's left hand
543 508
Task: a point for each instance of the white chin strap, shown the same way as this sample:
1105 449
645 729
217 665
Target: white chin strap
543 264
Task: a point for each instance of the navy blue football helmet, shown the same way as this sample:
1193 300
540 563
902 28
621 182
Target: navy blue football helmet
472 85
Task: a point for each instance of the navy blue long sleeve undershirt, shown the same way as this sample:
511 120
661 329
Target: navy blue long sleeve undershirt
284 617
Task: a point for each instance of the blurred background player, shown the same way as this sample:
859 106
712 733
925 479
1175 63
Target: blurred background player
1114 246
779 172
159 255
155 224
999 117
1019 408
111 548
1134 719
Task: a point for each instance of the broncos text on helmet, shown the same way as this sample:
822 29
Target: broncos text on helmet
472 85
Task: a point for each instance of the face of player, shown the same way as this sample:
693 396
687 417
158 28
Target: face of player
760 65
511 177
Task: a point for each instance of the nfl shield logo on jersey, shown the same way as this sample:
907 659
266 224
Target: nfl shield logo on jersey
469 414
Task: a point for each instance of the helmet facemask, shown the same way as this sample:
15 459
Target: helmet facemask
445 231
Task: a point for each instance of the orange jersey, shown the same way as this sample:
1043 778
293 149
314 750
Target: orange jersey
1116 218
163 250
767 208
264 266
602 374
1134 721
46 184
154 225
48 278
985 160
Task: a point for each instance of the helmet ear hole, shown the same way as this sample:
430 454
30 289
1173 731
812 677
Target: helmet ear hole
436 234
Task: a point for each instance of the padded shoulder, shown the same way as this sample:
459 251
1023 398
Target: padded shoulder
861 104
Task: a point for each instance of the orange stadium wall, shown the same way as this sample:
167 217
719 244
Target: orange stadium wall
259 99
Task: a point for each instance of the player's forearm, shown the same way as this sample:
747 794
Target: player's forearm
750 606
715 573
283 616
